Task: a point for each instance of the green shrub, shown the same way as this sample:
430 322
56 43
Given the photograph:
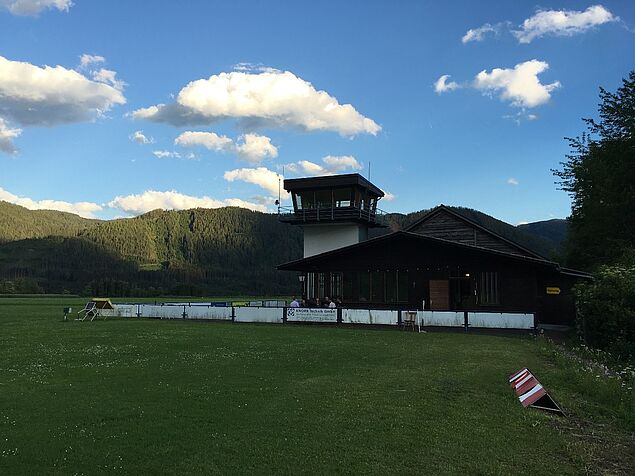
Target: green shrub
606 310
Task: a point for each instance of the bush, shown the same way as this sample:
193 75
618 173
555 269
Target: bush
606 309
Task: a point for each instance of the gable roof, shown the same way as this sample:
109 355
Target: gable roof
444 209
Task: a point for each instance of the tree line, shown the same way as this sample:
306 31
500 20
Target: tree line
599 175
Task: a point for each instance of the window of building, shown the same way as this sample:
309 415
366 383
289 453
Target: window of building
336 286
347 292
488 288
342 197
305 200
377 286
324 198
402 285
364 286
320 293
310 285
391 286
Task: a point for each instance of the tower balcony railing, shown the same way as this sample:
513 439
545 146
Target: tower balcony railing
329 214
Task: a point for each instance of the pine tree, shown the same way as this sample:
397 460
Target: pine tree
599 175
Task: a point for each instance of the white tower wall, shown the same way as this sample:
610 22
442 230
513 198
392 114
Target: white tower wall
320 238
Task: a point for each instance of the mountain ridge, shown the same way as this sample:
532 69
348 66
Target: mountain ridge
226 250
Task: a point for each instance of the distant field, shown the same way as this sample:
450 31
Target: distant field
179 397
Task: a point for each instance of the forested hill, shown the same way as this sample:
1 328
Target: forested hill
200 251
555 230
17 223
190 252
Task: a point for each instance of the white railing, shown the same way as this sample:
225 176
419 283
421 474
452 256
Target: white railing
258 314
370 316
488 320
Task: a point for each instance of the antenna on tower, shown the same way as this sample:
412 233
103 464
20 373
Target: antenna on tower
279 190
369 170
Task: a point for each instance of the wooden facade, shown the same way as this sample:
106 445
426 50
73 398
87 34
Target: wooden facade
442 262
445 223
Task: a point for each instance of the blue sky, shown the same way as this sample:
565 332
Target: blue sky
329 87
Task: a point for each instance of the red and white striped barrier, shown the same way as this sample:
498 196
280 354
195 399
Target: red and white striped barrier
531 393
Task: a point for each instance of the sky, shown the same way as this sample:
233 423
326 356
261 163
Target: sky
110 109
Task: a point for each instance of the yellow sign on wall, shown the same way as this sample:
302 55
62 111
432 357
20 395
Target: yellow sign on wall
553 290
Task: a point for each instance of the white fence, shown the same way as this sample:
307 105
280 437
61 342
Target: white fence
211 312
441 318
370 316
258 314
490 320
501 320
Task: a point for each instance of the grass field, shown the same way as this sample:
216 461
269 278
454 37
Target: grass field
148 396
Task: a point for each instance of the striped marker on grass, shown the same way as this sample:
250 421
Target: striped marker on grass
531 393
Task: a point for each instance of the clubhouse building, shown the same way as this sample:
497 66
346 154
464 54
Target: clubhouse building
444 261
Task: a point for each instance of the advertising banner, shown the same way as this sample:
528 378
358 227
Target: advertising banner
304 314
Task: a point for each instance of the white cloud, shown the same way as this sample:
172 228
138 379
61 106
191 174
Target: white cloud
108 76
33 7
47 96
261 176
519 85
172 200
389 196
163 154
512 181
6 137
84 209
332 165
209 140
339 163
168 154
255 148
262 200
520 115
562 22
307 167
478 34
86 60
442 86
270 98
255 67
140 138
252 148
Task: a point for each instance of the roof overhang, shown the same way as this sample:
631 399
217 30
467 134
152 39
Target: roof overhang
306 263
331 181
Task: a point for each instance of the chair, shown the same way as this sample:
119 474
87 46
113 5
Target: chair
90 309
411 320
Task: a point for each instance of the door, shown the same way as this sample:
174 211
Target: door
439 294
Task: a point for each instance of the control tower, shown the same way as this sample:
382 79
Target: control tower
334 210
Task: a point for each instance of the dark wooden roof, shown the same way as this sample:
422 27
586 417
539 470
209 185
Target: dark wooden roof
331 181
392 239
446 223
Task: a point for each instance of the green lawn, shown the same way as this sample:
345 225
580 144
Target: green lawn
149 396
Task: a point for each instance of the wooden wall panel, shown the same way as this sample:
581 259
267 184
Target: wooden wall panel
448 227
439 294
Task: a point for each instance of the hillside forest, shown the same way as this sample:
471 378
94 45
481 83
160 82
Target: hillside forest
228 251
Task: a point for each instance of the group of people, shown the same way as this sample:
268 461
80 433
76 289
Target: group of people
313 302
